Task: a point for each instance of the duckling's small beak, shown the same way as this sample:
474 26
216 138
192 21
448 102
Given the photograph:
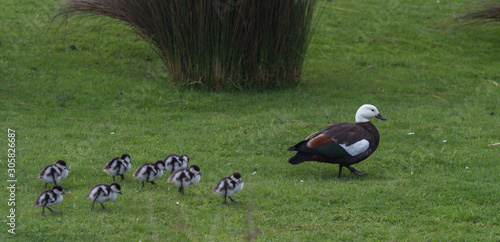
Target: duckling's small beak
200 173
66 168
380 117
240 181
120 192
63 192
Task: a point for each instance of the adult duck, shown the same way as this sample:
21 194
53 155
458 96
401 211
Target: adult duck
342 143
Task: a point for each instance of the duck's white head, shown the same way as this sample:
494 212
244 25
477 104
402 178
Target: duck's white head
236 177
366 112
58 190
125 157
195 169
115 187
62 164
160 164
184 158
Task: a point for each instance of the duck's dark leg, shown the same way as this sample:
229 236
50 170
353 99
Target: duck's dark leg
103 206
92 205
113 178
45 186
181 189
153 182
143 184
122 176
359 173
225 196
52 210
340 170
232 200
43 210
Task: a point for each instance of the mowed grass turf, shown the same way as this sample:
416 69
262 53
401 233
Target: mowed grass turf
433 177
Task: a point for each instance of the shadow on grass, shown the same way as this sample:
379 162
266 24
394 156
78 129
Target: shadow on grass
319 171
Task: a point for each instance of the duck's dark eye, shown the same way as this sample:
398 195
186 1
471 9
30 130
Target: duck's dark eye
373 110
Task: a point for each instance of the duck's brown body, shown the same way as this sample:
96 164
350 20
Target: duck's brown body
342 143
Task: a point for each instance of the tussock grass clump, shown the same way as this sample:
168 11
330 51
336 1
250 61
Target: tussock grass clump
218 44
486 13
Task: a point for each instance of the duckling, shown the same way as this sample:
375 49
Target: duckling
174 163
228 186
54 173
103 193
118 166
185 177
49 198
148 172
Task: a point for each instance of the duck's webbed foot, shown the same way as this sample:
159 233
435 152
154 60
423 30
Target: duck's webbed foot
359 173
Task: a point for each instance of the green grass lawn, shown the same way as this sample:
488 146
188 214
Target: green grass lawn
435 175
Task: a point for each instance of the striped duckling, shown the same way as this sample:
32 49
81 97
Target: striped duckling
149 171
342 143
185 177
49 198
174 163
118 166
228 186
54 173
103 193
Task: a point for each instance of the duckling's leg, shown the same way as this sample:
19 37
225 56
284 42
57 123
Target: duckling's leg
359 173
143 184
103 206
232 200
225 196
181 189
52 210
45 186
92 205
113 178
153 182
43 210
122 176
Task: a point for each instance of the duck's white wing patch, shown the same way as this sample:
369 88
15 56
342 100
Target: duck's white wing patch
356 148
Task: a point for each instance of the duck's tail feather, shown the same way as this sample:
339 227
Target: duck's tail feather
303 153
